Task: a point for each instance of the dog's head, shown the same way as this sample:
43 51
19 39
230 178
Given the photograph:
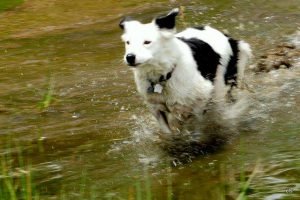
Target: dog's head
143 42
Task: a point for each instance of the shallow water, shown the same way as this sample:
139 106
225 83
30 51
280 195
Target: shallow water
97 139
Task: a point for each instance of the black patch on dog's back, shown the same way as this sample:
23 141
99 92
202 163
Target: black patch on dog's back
206 58
231 72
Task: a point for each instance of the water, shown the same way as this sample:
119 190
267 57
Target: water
97 138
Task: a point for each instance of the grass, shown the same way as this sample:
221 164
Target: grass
48 96
22 186
138 190
9 4
143 187
16 181
245 183
170 189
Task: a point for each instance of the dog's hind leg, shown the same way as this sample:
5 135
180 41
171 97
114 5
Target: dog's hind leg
220 89
244 56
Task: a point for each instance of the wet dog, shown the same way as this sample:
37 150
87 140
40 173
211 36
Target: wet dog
179 74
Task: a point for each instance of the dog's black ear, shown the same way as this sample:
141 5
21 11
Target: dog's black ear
122 22
167 22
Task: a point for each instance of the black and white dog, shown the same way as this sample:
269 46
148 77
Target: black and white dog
178 74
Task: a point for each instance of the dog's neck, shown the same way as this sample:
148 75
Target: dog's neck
161 81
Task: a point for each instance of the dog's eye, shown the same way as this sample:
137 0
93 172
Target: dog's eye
147 42
127 42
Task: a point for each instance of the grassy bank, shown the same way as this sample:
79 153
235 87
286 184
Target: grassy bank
9 4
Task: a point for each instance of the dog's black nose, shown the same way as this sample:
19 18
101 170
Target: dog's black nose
130 58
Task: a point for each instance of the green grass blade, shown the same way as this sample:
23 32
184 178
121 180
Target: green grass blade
8 182
245 187
148 186
169 183
138 190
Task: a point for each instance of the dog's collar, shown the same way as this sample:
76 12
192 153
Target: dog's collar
157 86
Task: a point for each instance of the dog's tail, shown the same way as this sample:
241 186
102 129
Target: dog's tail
245 54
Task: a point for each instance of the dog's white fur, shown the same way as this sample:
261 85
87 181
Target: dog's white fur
187 91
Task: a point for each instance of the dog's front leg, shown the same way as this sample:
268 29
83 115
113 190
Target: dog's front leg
155 101
162 119
159 110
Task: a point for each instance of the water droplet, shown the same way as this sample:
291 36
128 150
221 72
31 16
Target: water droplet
75 115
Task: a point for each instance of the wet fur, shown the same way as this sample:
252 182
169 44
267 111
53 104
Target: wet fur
206 63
